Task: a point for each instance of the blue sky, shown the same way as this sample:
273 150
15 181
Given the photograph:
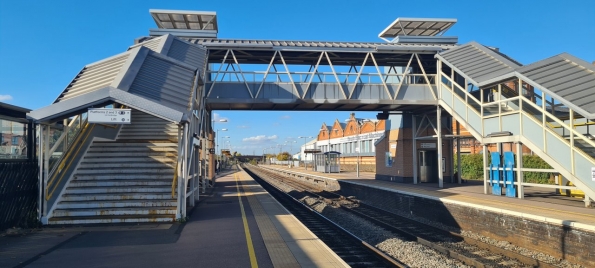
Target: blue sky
43 44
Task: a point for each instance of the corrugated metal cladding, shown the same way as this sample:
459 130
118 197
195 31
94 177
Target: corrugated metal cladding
94 77
164 82
566 76
194 55
478 62
248 43
150 44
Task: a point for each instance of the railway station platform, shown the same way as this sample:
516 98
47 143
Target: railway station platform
235 224
539 204
542 222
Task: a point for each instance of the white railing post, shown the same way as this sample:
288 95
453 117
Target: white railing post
177 174
46 163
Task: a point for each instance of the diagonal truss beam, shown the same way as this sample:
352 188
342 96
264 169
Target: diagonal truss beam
241 73
425 76
296 93
405 73
357 78
335 74
266 73
218 72
312 77
380 75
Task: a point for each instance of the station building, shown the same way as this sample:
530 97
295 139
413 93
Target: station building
344 137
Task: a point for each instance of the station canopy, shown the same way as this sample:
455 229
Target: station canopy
185 20
417 27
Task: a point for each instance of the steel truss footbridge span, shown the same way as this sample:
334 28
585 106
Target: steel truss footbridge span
173 79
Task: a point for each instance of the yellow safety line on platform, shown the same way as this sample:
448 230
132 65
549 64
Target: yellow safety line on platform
253 262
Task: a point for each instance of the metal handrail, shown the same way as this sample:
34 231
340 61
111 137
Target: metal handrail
571 130
60 140
272 75
462 100
464 90
174 183
85 131
524 99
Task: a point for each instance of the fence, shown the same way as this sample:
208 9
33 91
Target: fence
18 194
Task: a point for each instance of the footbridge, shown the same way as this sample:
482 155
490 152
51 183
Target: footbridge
151 169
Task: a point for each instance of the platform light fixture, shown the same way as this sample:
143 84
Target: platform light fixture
305 137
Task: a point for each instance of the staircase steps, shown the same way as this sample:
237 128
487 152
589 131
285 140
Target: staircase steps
120 183
114 211
117 204
115 197
126 180
111 219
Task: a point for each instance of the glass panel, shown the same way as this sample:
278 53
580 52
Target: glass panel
13 140
491 109
459 92
446 81
509 90
532 111
510 106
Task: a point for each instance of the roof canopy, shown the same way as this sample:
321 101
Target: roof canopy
417 27
185 20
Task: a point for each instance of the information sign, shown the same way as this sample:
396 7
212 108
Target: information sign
109 116
428 145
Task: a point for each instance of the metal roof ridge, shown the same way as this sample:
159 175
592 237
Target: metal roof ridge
565 56
311 41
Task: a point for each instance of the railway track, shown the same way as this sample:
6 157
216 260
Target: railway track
464 249
354 251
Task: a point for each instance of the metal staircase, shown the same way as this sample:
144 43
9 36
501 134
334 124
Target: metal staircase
557 140
126 180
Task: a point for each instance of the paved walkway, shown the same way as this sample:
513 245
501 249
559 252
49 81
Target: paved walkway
238 224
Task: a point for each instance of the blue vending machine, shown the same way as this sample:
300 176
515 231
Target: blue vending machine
495 174
509 174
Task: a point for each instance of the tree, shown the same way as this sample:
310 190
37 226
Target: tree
283 156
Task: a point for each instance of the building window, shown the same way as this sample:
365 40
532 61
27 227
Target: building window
15 140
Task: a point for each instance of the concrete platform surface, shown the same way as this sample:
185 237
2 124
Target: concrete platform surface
539 204
237 224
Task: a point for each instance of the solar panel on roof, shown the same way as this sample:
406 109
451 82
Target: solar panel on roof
417 27
185 20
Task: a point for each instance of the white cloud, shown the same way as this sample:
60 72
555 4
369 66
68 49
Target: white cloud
218 117
285 117
259 139
5 97
243 126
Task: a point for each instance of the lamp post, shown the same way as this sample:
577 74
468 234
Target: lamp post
219 153
290 151
359 142
213 127
280 147
225 146
305 137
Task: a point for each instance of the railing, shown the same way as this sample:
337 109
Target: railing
511 104
56 175
319 77
174 183
62 144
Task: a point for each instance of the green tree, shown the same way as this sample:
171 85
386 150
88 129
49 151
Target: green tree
283 156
